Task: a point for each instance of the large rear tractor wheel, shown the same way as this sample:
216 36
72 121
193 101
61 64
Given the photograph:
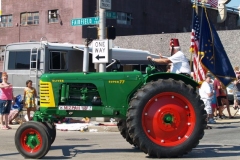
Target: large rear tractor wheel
32 140
122 127
166 118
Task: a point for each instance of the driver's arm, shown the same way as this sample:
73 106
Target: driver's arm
160 60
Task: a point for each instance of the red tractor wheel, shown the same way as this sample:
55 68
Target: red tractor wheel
32 140
166 118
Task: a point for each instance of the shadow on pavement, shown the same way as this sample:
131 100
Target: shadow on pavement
70 151
8 154
224 127
209 151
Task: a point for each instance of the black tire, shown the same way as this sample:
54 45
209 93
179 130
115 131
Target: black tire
143 101
51 130
122 127
44 141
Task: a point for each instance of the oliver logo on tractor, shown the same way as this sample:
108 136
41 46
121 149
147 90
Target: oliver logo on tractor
161 113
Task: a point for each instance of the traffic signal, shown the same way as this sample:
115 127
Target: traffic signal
111 33
92 33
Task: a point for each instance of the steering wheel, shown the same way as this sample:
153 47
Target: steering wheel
152 63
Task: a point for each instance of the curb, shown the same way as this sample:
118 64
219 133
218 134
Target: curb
236 120
113 127
102 128
90 128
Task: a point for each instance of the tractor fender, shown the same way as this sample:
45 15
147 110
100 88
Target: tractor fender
165 75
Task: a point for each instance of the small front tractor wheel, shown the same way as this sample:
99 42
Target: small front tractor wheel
166 118
32 140
51 130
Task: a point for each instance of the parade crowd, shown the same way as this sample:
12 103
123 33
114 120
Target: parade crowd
7 101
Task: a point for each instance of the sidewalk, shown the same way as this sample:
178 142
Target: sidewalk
236 118
95 126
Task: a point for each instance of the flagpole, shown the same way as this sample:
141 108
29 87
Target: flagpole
191 57
196 9
197 74
203 3
198 63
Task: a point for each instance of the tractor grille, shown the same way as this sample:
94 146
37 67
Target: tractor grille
46 95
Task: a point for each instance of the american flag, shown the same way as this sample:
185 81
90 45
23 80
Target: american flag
199 71
213 3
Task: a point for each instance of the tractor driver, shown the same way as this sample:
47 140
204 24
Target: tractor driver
178 60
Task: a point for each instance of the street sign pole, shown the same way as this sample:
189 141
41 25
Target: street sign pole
102 24
86 57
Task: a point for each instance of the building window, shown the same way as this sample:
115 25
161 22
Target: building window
30 18
58 60
2 58
20 60
124 18
2 50
6 21
53 16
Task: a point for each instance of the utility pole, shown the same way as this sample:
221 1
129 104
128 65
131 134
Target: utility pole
101 31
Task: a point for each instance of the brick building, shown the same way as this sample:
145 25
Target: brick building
30 20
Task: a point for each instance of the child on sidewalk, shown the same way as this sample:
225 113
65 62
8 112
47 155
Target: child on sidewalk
29 98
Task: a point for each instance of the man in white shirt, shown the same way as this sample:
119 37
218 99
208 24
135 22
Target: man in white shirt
178 60
206 93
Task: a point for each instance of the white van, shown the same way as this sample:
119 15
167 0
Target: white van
29 60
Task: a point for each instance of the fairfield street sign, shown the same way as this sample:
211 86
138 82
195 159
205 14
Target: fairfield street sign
85 21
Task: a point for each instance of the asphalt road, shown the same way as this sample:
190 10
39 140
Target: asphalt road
222 142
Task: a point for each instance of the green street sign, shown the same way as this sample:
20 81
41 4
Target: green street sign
111 15
85 21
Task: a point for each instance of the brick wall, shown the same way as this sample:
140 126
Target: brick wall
55 32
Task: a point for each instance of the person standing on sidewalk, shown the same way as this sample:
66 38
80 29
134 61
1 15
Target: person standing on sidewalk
206 93
6 99
237 92
214 101
29 98
222 100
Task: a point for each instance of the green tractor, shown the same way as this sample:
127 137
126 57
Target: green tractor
160 113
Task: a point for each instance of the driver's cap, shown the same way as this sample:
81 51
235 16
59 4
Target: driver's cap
174 42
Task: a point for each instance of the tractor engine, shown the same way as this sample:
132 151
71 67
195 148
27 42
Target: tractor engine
79 94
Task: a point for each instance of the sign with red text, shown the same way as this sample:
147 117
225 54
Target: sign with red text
76 108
